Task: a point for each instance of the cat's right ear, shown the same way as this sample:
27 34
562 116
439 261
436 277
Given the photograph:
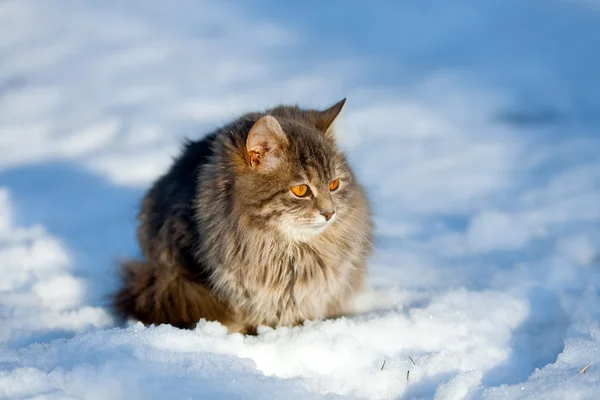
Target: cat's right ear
264 144
325 120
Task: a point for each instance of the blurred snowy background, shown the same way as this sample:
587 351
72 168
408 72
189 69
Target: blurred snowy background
475 126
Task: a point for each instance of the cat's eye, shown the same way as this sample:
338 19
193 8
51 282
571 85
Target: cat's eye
334 185
301 190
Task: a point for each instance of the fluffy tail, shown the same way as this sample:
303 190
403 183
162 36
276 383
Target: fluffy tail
160 295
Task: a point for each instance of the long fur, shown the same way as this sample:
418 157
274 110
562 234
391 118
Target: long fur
221 239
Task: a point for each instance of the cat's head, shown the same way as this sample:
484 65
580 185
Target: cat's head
296 180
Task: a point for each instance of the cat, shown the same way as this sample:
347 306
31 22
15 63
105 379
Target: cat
262 222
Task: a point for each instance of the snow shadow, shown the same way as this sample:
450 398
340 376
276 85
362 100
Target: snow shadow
537 342
94 218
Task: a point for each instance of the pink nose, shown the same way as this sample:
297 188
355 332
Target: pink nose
327 214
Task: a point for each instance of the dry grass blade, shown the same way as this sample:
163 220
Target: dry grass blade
584 369
413 361
382 365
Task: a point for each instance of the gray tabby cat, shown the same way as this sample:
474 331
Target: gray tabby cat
262 222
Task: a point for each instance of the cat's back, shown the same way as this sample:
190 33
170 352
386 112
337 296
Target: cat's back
167 225
178 185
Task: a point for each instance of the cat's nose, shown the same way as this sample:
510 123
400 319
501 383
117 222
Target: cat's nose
328 214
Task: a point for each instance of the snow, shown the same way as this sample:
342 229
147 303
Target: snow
40 294
473 126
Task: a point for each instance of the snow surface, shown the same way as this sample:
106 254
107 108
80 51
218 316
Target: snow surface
473 125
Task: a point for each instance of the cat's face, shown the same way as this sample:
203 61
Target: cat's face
300 183
314 184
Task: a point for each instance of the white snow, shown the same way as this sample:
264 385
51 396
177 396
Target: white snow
39 292
484 173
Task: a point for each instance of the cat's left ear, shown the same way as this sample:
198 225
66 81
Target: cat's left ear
265 143
326 119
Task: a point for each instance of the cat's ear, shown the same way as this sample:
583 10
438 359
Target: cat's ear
264 144
326 119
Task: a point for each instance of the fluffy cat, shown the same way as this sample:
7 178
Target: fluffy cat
262 222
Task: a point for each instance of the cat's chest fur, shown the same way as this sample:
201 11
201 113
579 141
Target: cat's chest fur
289 285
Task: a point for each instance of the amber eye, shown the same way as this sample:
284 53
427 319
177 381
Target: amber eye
301 190
334 185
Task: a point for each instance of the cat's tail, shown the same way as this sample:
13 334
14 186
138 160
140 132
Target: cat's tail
156 294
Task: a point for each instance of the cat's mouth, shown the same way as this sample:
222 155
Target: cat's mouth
308 230
318 227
